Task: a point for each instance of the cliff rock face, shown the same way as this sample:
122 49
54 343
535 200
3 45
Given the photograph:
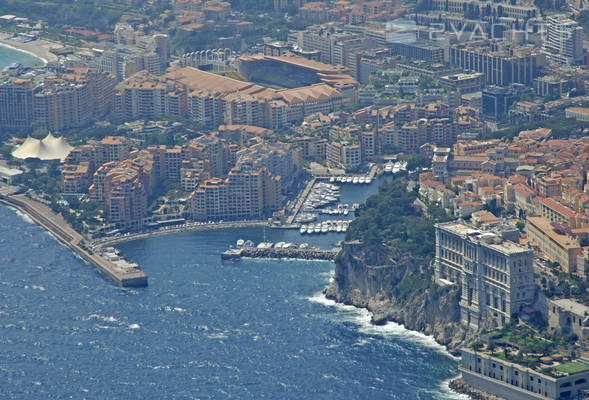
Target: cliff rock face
401 293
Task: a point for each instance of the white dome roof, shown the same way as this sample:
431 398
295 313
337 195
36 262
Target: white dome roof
50 148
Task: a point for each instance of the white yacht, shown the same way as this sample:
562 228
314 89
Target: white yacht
362 180
303 229
355 180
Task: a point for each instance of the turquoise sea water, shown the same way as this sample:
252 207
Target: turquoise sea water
9 56
203 329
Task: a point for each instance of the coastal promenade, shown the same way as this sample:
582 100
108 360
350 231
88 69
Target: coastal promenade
120 271
191 226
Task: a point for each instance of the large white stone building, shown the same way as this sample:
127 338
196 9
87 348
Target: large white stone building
496 274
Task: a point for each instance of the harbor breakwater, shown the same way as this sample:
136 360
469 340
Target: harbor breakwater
300 254
123 273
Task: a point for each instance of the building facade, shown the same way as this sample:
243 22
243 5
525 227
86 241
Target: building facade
496 274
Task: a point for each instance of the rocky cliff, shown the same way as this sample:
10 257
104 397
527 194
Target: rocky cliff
401 291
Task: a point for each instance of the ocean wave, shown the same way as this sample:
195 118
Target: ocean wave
24 216
446 391
101 317
362 318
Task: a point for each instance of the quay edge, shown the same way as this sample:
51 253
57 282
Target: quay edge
66 235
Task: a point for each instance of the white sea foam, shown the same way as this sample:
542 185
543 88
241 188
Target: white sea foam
445 389
363 317
102 318
24 216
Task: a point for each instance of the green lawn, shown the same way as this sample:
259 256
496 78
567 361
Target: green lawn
572 367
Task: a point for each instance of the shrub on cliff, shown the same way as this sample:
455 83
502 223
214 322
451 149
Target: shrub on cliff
389 221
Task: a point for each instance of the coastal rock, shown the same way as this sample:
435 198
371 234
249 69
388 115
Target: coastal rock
459 386
401 293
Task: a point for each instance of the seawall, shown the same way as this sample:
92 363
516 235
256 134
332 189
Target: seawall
124 275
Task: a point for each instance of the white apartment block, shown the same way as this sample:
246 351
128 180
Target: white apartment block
564 40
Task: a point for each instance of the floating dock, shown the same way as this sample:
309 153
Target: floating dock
108 263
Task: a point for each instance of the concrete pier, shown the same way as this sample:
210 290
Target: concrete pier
124 273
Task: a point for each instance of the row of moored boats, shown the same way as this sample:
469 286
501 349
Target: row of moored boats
393 168
324 227
351 179
269 245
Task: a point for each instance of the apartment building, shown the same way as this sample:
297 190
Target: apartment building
344 154
554 242
496 273
564 40
16 103
466 83
246 193
553 211
519 11
276 158
58 102
123 187
502 64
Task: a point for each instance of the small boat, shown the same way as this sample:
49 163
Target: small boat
338 227
279 245
317 228
362 179
368 180
303 245
388 168
349 179
346 212
332 179
355 180
240 243
249 243
303 229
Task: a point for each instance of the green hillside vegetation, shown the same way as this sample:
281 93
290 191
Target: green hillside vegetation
389 220
86 13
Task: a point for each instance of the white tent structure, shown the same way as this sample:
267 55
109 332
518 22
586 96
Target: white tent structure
50 148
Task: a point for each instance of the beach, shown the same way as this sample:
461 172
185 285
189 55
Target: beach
39 48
